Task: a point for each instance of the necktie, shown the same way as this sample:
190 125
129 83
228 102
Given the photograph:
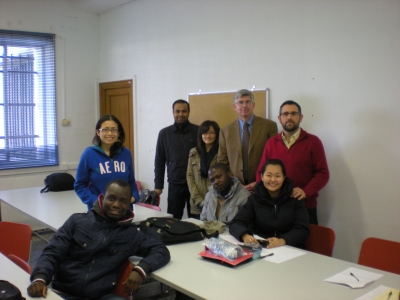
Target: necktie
245 151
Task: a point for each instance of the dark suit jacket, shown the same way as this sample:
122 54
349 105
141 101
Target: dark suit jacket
230 146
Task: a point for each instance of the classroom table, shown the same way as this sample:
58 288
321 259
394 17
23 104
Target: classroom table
54 208
18 277
299 278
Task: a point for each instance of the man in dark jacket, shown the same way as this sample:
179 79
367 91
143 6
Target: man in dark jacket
83 258
173 146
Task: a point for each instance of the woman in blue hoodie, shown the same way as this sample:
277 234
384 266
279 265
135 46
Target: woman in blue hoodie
107 159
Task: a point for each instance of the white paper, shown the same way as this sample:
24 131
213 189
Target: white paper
281 254
359 279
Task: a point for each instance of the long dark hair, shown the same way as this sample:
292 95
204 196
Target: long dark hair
204 127
121 138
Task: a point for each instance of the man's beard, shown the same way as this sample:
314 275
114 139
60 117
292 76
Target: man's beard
292 129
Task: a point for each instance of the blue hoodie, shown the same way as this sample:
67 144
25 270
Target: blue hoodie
96 169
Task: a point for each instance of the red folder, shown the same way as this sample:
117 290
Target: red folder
211 255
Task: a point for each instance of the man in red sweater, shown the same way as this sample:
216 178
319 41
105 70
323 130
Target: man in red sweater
302 154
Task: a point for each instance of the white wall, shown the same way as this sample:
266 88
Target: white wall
77 56
339 59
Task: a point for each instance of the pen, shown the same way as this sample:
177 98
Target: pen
390 295
354 276
266 255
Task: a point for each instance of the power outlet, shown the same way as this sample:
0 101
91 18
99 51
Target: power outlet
65 122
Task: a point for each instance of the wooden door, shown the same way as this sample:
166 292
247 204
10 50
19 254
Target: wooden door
116 98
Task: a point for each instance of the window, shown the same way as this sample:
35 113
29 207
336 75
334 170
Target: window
28 132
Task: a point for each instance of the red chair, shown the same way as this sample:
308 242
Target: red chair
380 254
125 270
15 238
149 206
321 240
20 262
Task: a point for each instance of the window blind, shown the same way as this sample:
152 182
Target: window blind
28 132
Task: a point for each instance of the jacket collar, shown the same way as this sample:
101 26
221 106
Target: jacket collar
98 209
303 135
261 193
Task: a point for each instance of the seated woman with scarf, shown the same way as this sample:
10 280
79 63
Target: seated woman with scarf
271 212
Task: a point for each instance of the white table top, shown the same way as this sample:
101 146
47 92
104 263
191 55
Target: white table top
54 208
18 277
298 278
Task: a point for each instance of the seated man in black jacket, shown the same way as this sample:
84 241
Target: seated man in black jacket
83 258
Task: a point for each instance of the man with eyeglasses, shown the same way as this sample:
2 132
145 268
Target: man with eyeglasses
241 143
303 156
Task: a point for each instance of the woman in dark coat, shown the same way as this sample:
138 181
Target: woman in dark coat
271 212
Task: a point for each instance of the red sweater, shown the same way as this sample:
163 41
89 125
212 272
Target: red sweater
305 163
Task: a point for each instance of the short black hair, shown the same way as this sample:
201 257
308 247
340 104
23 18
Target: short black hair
220 166
119 182
274 161
182 102
289 102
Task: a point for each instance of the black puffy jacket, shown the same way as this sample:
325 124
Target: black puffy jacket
86 252
287 218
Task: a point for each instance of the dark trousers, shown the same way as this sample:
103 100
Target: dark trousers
178 196
106 297
312 215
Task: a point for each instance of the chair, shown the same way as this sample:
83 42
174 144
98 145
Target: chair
380 254
124 272
149 206
321 240
15 238
20 262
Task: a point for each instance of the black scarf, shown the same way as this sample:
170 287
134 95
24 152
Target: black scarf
206 158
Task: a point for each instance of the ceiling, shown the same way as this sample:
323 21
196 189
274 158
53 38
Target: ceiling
98 6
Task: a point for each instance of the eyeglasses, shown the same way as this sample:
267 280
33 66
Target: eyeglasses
241 103
208 133
107 130
293 114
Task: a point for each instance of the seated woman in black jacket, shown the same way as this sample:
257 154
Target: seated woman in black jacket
271 212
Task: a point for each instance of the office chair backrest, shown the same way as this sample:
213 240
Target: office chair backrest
149 206
20 262
380 254
15 238
124 272
321 240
